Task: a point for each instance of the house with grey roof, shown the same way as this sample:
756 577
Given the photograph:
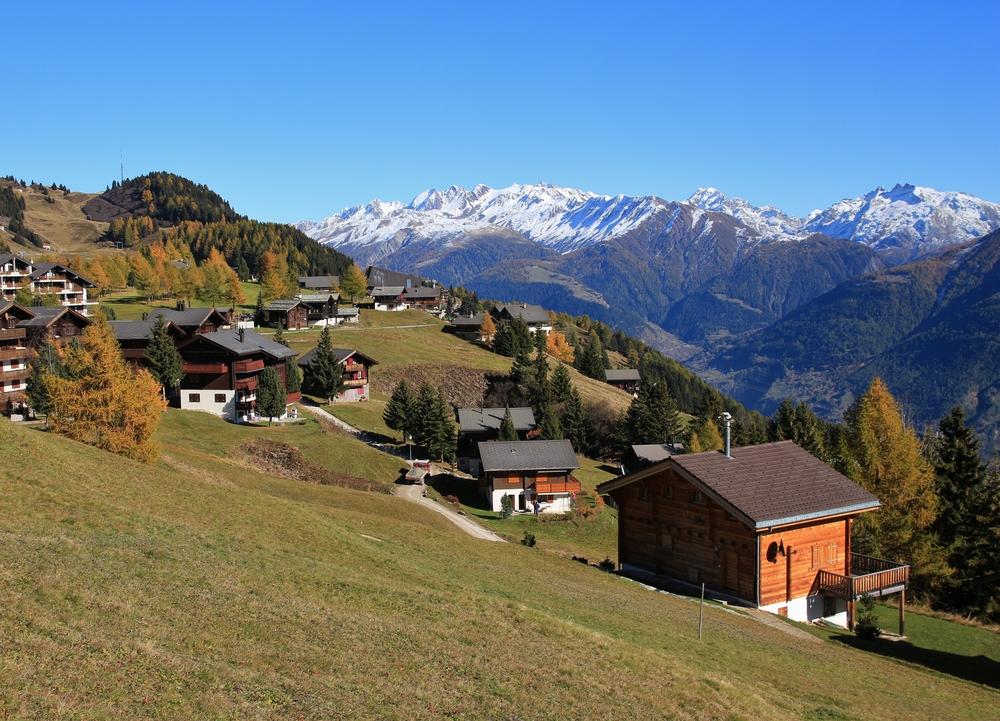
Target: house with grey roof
767 526
286 313
193 320
316 283
43 278
134 337
626 379
483 424
529 471
388 297
468 327
534 316
321 308
355 366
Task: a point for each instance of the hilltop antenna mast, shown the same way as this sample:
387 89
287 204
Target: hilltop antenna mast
121 166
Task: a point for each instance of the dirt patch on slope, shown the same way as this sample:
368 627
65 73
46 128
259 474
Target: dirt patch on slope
281 459
461 385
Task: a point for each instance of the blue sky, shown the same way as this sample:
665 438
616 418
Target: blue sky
292 110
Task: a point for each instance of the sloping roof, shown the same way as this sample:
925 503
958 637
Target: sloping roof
318 297
386 290
423 292
132 329
251 342
283 304
656 452
7 257
44 316
766 485
9 306
471 420
383 276
527 456
319 281
342 354
621 375
187 318
468 321
347 312
40 269
525 311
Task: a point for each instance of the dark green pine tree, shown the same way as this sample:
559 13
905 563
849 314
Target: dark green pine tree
444 440
593 361
507 430
503 341
258 309
797 422
325 374
424 425
652 417
521 370
293 376
958 472
279 337
549 424
399 410
162 357
575 423
561 384
539 390
47 360
270 395
242 269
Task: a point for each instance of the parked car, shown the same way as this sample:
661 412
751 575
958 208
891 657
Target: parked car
419 472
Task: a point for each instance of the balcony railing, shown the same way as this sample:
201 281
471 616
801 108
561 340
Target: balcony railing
246 384
21 374
8 333
355 382
869 577
570 486
13 353
215 368
248 366
353 367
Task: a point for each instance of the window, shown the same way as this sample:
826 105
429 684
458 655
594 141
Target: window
643 492
220 397
668 490
194 397
697 497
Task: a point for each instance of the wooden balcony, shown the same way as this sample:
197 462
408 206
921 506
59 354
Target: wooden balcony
8 333
293 397
246 384
353 367
14 353
248 366
570 486
22 374
355 382
869 577
205 368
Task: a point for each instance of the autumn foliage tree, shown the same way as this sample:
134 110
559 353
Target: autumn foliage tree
882 454
100 401
487 329
353 283
275 277
558 347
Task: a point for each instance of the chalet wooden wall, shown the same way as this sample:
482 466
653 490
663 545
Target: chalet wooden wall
808 549
665 528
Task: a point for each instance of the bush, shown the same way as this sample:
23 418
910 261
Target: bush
506 507
866 624
581 559
606 565
453 500
528 540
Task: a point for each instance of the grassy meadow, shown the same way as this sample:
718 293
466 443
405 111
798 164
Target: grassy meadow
198 587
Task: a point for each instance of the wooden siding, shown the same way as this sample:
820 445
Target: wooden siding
808 549
667 529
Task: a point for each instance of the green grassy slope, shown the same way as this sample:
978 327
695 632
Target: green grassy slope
196 588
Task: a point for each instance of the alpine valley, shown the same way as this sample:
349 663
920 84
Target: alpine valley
903 283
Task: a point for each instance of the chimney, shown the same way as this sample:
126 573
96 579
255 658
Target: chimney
727 418
241 335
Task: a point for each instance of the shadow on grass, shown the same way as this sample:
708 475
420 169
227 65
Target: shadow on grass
465 490
978 669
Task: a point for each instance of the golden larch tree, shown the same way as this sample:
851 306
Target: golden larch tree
100 401
353 283
557 346
487 329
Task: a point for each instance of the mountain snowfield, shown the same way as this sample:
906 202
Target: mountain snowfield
903 223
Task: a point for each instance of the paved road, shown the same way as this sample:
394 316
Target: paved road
414 493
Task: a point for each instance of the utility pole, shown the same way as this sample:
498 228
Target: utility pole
701 610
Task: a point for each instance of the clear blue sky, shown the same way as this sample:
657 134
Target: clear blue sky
291 111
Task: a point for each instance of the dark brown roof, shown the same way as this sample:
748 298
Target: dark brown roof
766 485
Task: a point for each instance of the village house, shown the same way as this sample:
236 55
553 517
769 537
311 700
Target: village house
468 327
134 337
356 369
321 308
222 371
44 279
14 355
529 470
483 424
53 324
290 314
346 315
626 379
424 297
768 526
646 454
383 276
193 320
319 283
388 297
534 316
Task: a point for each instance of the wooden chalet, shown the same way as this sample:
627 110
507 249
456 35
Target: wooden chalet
646 454
534 316
383 277
56 324
290 314
428 298
14 355
468 327
766 525
320 307
529 470
483 424
356 369
388 297
222 371
69 287
626 379
319 283
134 337
194 320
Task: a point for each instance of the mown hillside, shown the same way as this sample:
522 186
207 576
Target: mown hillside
199 588
928 328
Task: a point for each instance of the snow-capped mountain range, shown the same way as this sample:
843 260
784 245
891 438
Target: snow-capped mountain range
904 222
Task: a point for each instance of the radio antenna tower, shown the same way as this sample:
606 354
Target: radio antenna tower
121 166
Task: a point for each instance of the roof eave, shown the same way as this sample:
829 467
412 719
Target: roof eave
849 510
